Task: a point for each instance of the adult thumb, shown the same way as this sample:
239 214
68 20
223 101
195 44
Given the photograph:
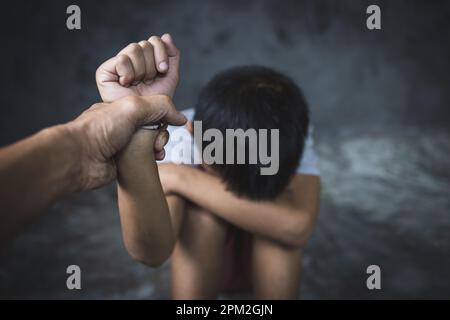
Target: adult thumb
156 109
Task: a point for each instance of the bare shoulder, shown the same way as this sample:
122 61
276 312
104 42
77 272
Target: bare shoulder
301 183
304 191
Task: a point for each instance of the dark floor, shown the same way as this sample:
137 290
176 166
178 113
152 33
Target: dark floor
379 101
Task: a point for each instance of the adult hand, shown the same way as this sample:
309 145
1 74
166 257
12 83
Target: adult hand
105 128
79 155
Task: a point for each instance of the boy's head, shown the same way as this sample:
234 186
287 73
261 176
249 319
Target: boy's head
259 98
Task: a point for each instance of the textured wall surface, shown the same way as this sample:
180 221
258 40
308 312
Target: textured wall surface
379 101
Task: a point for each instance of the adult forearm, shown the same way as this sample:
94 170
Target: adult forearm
33 173
275 220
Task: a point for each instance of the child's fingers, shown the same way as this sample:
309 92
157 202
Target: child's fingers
124 70
161 140
117 69
159 49
136 55
149 58
174 56
172 50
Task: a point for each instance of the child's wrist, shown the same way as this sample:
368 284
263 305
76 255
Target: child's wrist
138 151
142 142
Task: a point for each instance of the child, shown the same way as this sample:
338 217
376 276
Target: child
237 229
234 228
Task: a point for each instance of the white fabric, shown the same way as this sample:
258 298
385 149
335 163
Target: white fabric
308 163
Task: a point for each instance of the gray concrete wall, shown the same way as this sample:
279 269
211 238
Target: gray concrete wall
379 102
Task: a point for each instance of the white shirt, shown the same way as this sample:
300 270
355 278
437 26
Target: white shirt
308 163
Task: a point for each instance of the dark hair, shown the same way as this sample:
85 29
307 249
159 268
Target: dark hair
260 98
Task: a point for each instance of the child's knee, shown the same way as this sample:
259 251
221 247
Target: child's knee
269 247
204 217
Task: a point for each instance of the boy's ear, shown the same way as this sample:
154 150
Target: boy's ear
190 127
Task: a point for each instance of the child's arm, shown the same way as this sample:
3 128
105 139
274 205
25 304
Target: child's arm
146 226
146 68
289 219
177 206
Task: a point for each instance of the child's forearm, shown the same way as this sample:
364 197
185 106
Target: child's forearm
285 221
144 215
177 206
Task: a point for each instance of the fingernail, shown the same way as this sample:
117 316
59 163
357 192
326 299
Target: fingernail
163 66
